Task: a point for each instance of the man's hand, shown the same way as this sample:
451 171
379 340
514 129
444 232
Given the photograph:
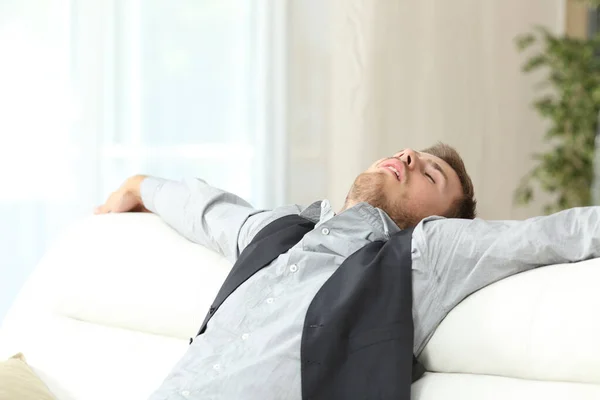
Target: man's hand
125 199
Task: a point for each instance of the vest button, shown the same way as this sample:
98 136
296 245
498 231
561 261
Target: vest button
325 231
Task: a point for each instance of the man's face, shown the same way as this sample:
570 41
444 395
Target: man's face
408 186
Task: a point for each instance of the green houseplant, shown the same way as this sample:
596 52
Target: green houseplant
570 100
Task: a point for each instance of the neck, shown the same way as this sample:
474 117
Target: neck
348 204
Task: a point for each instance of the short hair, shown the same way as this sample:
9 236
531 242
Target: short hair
466 206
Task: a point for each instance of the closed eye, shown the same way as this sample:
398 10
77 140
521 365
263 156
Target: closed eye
430 178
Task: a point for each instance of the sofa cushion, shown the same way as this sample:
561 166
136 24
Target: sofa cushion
542 324
19 382
129 271
436 386
79 360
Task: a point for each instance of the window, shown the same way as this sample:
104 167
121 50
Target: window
184 89
95 91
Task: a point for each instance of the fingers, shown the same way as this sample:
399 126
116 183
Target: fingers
120 201
103 209
108 205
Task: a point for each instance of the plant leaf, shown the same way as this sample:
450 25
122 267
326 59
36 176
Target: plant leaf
524 41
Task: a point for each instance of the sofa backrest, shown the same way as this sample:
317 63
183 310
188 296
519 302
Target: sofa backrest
543 324
128 271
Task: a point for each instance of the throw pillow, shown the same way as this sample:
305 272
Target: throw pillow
19 382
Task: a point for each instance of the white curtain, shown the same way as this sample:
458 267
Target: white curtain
93 91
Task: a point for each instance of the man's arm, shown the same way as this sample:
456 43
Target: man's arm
203 214
466 255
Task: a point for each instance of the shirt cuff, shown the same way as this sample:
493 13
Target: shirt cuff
148 189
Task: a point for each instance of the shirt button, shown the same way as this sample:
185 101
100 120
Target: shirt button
217 367
325 231
245 336
185 393
270 300
293 268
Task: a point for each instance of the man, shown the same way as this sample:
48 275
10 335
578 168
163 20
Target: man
256 341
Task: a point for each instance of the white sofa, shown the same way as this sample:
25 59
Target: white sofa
111 307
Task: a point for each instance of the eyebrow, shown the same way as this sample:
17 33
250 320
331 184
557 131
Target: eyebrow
439 168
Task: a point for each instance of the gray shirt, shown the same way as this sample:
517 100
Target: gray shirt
251 349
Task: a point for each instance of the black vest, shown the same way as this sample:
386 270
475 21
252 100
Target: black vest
357 338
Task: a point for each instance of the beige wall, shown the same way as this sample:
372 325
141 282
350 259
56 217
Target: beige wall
370 77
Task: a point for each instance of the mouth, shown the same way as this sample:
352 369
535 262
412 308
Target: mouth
395 167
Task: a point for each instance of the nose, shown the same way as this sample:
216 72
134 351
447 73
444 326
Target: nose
409 157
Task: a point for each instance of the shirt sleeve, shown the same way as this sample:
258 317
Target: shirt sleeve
466 255
207 215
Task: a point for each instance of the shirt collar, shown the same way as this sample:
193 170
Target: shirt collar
380 223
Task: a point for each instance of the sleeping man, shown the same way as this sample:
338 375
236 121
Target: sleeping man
338 305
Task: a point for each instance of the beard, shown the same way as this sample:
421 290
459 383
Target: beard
369 188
